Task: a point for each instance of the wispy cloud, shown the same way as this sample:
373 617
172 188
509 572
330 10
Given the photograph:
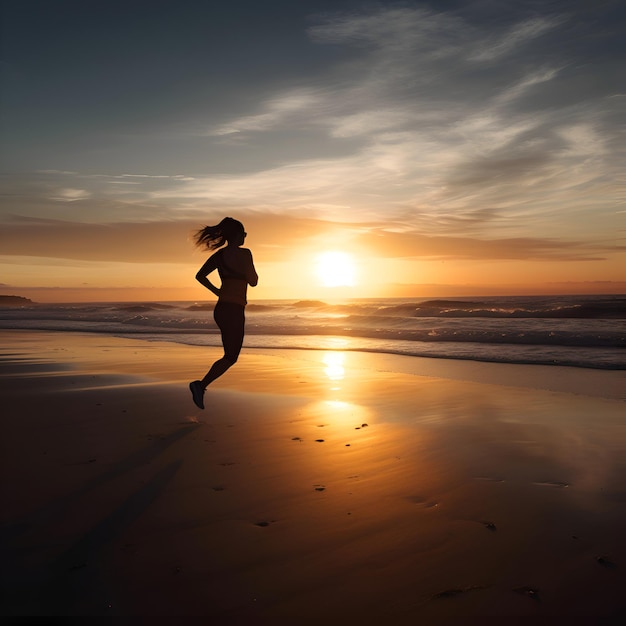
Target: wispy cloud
70 195
448 118
520 34
446 125
278 110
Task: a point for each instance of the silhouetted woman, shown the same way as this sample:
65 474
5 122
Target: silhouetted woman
236 271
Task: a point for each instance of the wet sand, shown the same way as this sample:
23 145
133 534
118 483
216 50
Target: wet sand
321 485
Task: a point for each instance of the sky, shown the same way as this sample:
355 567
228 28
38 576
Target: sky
442 148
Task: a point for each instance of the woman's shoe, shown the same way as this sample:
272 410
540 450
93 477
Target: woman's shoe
197 393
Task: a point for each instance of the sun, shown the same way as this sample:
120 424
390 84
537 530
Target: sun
336 269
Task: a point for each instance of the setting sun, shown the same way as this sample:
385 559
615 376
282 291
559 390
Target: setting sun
336 269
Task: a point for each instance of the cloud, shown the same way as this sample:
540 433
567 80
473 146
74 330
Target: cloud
415 245
149 176
520 34
149 242
397 30
448 125
275 111
70 195
171 241
447 119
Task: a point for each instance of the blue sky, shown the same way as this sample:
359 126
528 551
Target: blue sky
466 133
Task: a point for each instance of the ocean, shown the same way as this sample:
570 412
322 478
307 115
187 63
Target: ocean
576 331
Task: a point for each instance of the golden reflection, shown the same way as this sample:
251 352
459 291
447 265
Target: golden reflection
340 418
334 365
336 409
335 343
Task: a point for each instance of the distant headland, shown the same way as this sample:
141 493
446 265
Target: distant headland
6 301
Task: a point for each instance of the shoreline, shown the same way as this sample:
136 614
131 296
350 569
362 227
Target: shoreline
320 485
604 383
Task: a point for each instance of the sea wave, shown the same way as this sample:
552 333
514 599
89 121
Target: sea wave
588 332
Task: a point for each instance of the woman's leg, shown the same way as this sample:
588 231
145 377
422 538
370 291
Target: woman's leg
230 319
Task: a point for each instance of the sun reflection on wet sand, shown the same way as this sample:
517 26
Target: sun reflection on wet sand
334 366
336 412
345 416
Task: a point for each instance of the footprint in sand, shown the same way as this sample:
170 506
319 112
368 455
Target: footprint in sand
605 561
73 568
423 502
451 593
552 483
529 592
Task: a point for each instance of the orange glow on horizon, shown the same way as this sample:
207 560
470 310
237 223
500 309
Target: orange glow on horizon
307 270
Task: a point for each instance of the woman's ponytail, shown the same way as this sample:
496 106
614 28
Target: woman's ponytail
213 237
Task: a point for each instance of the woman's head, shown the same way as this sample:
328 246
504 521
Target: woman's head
228 230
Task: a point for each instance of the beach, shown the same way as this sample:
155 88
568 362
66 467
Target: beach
316 484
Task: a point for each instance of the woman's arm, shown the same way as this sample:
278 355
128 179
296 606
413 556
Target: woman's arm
251 275
204 271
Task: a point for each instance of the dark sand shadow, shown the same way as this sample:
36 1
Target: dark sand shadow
58 507
56 589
